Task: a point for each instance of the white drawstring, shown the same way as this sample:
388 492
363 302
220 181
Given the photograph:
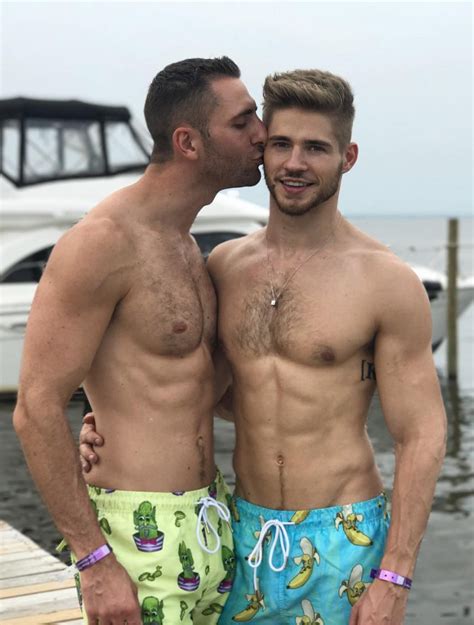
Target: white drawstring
222 511
281 536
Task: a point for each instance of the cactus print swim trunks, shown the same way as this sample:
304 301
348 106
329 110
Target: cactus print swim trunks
330 552
155 537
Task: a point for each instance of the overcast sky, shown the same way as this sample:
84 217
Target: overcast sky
410 65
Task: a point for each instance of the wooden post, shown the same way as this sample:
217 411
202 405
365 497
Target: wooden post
452 303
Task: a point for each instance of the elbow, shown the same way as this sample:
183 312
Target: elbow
21 417
33 407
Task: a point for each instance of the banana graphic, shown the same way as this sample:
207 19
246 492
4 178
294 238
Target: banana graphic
310 616
255 603
299 516
268 535
354 586
307 559
349 522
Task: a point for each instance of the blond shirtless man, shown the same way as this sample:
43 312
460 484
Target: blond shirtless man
126 306
313 317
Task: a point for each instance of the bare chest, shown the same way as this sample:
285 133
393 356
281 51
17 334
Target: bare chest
171 307
315 321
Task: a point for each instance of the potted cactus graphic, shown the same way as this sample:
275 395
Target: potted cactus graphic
152 611
187 579
228 560
147 537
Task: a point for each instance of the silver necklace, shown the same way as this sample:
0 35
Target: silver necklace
276 294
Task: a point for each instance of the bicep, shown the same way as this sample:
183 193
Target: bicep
406 376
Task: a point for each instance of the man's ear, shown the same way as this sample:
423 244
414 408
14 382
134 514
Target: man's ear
186 142
351 153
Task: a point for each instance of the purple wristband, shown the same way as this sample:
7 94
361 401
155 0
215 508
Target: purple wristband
390 576
93 557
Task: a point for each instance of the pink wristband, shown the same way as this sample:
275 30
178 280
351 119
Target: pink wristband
93 557
390 576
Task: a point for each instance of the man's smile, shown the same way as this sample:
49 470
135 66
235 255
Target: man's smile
295 187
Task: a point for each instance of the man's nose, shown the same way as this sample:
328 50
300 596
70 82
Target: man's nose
296 160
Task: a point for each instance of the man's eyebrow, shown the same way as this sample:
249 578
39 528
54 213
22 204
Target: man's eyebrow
317 142
278 138
248 111
307 143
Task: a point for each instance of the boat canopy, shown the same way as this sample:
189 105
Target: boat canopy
47 140
11 108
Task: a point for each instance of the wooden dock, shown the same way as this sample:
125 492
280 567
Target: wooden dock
30 592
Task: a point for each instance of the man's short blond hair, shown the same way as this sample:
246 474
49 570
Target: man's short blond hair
312 90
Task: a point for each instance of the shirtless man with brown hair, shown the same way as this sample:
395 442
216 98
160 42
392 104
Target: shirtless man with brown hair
313 316
126 305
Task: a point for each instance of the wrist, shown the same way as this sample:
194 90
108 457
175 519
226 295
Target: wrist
385 575
94 557
400 560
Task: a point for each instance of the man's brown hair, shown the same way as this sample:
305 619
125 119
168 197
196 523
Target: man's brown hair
311 90
182 93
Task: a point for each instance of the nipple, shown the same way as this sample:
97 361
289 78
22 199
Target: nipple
327 355
179 327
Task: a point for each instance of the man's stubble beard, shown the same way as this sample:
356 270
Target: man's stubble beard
227 171
325 193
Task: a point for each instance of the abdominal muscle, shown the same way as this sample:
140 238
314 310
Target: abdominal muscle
156 419
301 441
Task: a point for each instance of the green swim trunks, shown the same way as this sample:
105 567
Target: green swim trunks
177 548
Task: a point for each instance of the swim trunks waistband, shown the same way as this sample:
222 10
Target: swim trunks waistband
319 517
128 499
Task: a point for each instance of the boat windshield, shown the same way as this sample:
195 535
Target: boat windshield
67 148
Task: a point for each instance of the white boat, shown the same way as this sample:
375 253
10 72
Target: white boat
57 160
436 284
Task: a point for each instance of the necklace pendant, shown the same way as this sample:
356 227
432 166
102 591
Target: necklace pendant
273 302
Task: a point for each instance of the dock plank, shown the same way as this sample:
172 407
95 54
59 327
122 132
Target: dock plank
22 567
19 555
16 591
65 616
38 603
17 547
32 579
31 591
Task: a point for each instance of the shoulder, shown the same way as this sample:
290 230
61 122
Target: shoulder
97 248
385 272
394 292
227 255
401 303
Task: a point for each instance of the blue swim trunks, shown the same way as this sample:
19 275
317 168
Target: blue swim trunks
329 555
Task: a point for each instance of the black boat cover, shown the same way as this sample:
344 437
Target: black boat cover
61 109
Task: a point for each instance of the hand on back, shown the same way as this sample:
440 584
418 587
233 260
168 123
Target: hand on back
88 440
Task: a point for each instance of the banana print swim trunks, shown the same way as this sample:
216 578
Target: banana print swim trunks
306 566
177 548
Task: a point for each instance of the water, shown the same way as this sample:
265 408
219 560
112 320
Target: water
442 593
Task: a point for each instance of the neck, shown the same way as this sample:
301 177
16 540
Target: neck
171 196
286 233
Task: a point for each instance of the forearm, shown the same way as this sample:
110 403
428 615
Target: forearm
417 466
52 459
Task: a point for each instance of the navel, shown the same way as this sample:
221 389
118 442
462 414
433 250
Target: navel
179 327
